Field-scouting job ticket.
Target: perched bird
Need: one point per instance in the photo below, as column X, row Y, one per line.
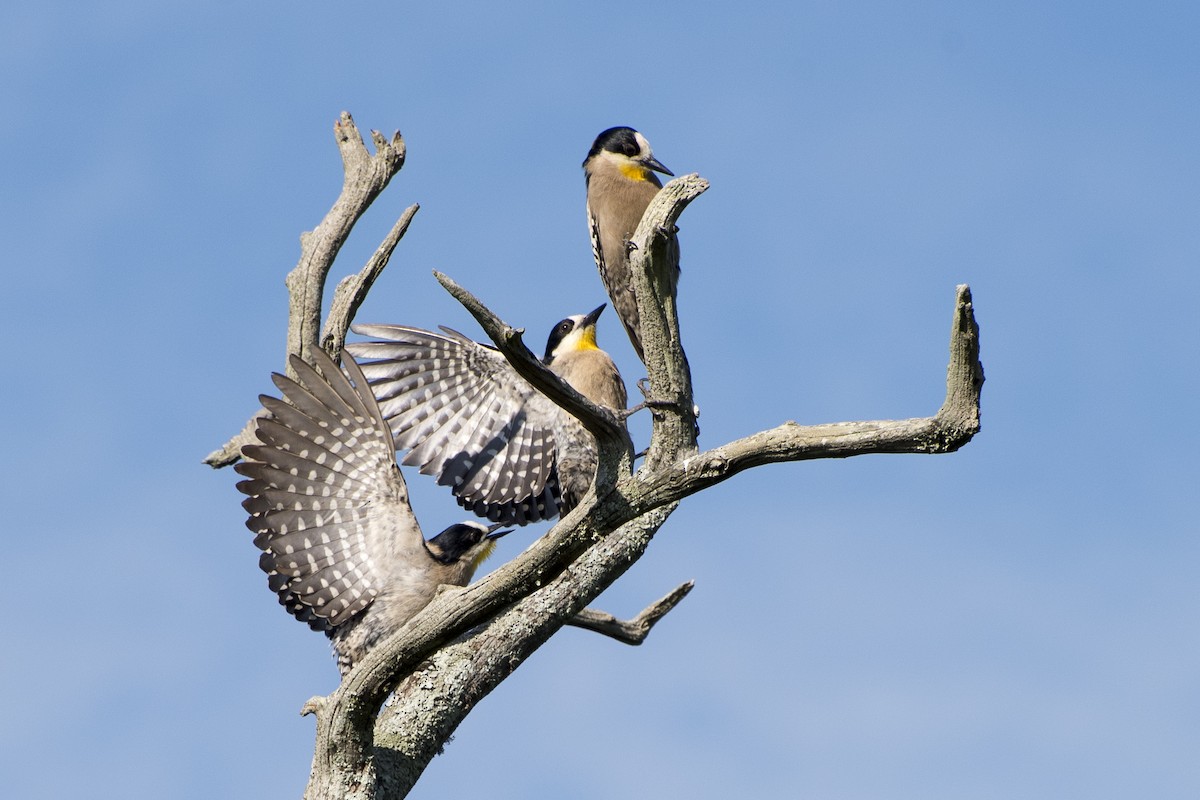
column 619, row 170
column 466, row 416
column 340, row 543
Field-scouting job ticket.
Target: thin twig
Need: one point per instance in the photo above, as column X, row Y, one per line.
column 353, row 289
column 633, row 631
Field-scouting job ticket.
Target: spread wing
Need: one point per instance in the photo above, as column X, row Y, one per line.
column 465, row 416
column 326, row 499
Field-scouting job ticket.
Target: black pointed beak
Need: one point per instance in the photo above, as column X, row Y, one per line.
column 591, row 318
column 656, row 165
column 494, row 533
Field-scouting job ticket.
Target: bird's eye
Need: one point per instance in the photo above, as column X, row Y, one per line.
column 565, row 326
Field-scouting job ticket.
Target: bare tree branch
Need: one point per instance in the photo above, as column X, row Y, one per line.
column 633, row 631
column 543, row 593
column 365, row 177
column 352, row 289
column 600, row 422
column 952, row 427
column 428, row 706
column 673, row 433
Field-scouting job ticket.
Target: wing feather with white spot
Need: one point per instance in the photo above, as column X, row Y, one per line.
column 326, row 500
column 465, row 416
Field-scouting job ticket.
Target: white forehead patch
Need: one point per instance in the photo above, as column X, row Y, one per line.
column 643, row 145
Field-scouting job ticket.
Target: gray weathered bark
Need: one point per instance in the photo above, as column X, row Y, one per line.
column 469, row 639
column 365, row 176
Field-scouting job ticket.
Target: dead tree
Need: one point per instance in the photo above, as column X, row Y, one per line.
column 468, row 640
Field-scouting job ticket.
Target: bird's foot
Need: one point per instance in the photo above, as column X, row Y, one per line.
column 651, row 402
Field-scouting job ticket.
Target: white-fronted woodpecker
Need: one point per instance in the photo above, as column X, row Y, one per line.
column 329, row 507
column 464, row 415
column 619, row 171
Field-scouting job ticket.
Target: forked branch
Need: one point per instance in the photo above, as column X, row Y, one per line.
column 955, row 423
column 366, row 175
column 632, row 631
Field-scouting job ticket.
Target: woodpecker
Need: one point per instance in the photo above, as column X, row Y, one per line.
column 464, row 415
column 619, row 172
column 330, row 510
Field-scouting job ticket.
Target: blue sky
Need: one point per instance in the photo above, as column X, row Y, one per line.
column 1017, row 620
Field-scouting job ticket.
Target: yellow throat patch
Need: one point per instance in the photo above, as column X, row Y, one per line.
column 488, row 548
column 635, row 172
column 587, row 339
